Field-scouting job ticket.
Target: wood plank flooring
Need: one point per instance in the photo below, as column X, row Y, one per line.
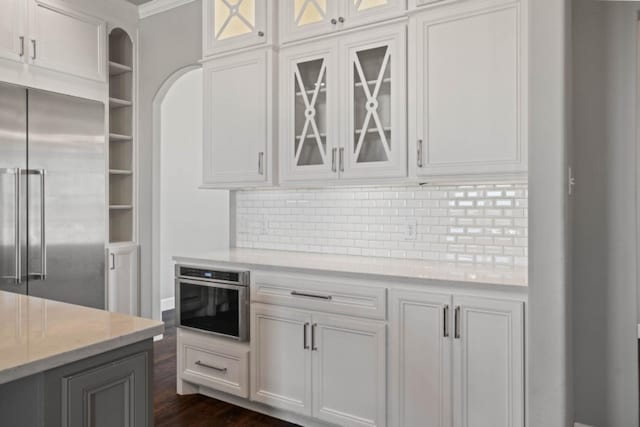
column 171, row 410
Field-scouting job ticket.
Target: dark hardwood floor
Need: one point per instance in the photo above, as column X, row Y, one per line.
column 171, row 410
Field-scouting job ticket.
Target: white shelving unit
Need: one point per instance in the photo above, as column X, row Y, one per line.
column 121, row 140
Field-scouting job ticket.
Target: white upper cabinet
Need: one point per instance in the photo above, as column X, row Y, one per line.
column 309, row 113
column 238, row 128
column 236, row 24
column 469, row 90
column 343, row 108
column 374, row 126
column 300, row 19
column 488, row 360
column 12, row 30
column 65, row 40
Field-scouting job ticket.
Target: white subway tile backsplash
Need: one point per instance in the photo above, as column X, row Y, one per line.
column 484, row 224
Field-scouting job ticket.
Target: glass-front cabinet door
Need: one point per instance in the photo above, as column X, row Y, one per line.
column 308, row 126
column 360, row 12
column 375, row 139
column 300, row 19
column 234, row 24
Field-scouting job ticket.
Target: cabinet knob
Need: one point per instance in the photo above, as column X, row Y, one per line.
column 341, row 20
column 260, row 33
column 334, row 21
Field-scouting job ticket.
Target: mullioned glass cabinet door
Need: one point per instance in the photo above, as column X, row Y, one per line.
column 308, row 114
column 375, row 144
column 235, row 24
column 300, row 19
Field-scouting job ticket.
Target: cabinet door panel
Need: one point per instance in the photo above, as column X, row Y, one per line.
column 234, row 24
column 67, row 41
column 237, row 119
column 420, row 365
column 349, row 371
column 11, row 29
column 281, row 359
column 488, row 363
column 123, row 280
column 470, row 71
column 308, row 114
column 301, row 19
column 375, row 139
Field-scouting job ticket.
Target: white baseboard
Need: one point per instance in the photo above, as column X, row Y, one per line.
column 581, row 425
column 167, row 304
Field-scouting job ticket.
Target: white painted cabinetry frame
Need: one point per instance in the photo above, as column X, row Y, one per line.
column 13, row 37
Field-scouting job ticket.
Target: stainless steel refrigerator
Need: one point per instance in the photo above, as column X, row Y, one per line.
column 52, row 196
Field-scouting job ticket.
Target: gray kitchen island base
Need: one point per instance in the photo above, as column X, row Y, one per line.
column 113, row 389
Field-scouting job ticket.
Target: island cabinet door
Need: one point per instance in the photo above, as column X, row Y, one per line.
column 488, row 381
column 281, row 358
column 349, row 371
column 420, row 338
column 112, row 395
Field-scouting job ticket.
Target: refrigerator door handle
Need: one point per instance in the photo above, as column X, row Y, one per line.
column 17, row 173
column 42, row 173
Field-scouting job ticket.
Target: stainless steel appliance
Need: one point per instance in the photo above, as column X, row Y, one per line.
column 213, row 301
column 52, row 196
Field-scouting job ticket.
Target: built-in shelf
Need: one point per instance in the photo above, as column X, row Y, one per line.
column 312, row 135
column 119, row 103
column 312, row 91
column 120, row 172
column 116, row 137
column 372, row 130
column 373, row 82
column 120, row 207
column 115, row 68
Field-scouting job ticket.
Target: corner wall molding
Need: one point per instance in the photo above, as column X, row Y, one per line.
column 158, row 6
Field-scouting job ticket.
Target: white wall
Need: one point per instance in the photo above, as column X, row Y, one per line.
column 604, row 214
column 192, row 220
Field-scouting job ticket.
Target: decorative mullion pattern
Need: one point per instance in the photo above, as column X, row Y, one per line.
column 304, row 7
column 310, row 112
column 233, row 14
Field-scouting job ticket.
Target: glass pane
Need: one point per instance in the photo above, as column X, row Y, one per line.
column 309, row 11
column 372, row 105
column 234, row 18
column 310, row 86
column 368, row 4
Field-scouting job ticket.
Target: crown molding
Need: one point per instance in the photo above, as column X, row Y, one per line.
column 158, row 6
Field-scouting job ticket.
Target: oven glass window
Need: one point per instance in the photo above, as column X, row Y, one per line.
column 210, row 309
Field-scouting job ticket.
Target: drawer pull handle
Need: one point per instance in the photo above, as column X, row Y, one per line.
column 305, row 295
column 215, row 368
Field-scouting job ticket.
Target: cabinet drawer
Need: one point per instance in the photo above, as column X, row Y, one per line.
column 210, row 363
column 330, row 296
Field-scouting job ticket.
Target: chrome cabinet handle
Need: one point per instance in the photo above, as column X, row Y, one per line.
column 313, row 337
column 341, row 20
column 445, row 315
column 306, row 295
column 420, row 153
column 333, row 160
column 261, row 163
column 112, row 259
column 215, row 368
column 341, row 159
column 21, row 46
column 260, row 33
column 456, row 333
column 305, row 345
column 34, row 49
column 334, row 21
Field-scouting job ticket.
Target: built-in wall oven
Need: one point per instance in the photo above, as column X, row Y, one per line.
column 214, row 301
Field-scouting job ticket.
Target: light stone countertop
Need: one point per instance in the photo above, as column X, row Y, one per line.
column 38, row 334
column 383, row 267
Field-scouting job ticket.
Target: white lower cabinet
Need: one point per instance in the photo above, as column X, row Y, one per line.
column 330, row 367
column 456, row 361
column 123, row 280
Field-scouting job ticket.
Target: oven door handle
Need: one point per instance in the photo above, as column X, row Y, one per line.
column 211, row 284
